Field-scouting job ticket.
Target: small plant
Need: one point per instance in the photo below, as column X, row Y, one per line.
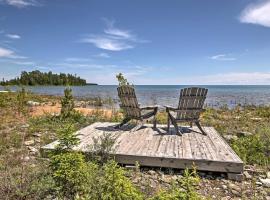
column 67, row 139
column 116, row 185
column 254, row 149
column 70, row 173
column 183, row 189
column 122, row 80
column 67, row 103
column 21, row 101
column 102, row 148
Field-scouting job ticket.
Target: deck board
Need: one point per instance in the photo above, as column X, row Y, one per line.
column 155, row 147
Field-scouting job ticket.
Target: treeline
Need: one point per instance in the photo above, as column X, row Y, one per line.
column 44, row 78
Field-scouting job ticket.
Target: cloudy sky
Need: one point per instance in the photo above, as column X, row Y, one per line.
column 151, row 42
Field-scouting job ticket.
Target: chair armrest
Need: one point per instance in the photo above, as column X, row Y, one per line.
column 170, row 108
column 149, row 108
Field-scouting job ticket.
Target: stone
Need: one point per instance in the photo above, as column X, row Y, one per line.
column 29, row 142
column 236, row 190
column 224, row 187
column 33, row 150
column 259, row 183
column 25, row 126
column 26, row 158
column 247, row 175
column 244, row 134
column 267, row 174
column 37, row 134
column 256, row 118
column 32, row 103
column 265, row 182
column 230, row 137
column 166, row 179
column 151, row 172
column 37, row 140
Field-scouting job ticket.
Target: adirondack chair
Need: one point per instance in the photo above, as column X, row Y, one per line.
column 131, row 108
column 189, row 108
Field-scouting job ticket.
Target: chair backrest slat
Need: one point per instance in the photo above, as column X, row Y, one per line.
column 191, row 103
column 129, row 102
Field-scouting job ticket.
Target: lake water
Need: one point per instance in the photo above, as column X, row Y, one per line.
column 169, row 94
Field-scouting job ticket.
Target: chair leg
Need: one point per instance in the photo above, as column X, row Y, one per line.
column 175, row 126
column 199, row 126
column 155, row 122
column 125, row 120
column 168, row 124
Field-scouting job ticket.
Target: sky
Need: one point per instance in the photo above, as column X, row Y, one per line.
column 153, row 42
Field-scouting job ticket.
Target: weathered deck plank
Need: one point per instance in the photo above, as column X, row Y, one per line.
column 155, row 147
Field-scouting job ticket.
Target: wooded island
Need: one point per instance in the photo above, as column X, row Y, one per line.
column 45, row 78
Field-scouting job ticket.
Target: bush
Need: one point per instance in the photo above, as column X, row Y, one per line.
column 115, row 185
column 67, row 103
column 254, row 149
column 183, row 189
column 70, row 173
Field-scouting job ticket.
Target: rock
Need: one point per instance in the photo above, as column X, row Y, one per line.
column 244, row 134
column 247, row 175
column 267, row 174
column 224, row 187
column 265, row 182
column 37, row 140
column 267, row 198
column 29, row 142
column 256, row 118
column 259, row 183
column 151, row 172
column 37, row 134
column 32, row 103
column 26, row 158
column 33, row 150
column 166, row 179
column 25, row 126
column 236, row 190
column 230, row 137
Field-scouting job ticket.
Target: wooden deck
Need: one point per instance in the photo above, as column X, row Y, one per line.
column 155, row 147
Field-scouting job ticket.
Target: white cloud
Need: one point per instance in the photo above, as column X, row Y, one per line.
column 21, row 3
column 223, row 57
column 257, row 14
column 103, row 55
column 75, row 59
column 13, row 36
column 113, row 39
column 236, row 78
column 5, row 53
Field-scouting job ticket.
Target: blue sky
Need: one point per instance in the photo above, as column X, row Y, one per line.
column 151, row 42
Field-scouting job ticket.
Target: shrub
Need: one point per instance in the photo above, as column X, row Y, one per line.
column 102, row 148
column 67, row 139
column 67, row 103
column 70, row 173
column 115, row 185
column 183, row 189
column 254, row 149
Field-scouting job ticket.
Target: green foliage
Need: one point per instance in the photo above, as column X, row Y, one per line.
column 254, row 149
column 121, row 79
column 67, row 103
column 115, row 185
column 45, row 78
column 102, row 148
column 70, row 173
column 183, row 189
column 21, row 101
column 66, row 138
